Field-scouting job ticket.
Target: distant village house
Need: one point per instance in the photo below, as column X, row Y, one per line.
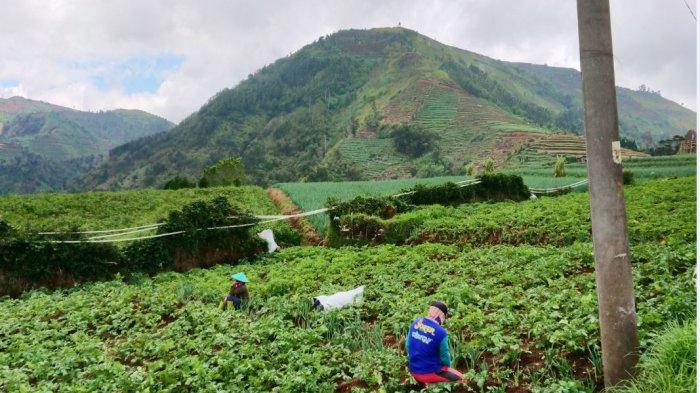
column 688, row 145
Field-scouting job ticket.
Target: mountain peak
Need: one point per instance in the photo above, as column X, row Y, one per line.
column 329, row 111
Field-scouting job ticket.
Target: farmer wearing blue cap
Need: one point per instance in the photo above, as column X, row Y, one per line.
column 238, row 293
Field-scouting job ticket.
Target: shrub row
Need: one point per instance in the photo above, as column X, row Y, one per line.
column 28, row 261
column 365, row 220
column 491, row 187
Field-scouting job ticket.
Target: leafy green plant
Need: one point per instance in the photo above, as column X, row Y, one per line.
column 470, row 169
column 488, row 166
column 560, row 166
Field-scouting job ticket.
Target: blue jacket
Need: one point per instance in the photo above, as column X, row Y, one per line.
column 427, row 347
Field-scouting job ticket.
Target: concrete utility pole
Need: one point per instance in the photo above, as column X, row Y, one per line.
column 613, row 269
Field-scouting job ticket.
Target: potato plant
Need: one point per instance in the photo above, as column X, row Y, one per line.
column 523, row 317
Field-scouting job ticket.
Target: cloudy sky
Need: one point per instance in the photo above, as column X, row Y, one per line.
column 169, row 57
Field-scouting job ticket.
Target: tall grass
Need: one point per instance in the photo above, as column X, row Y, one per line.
column 670, row 364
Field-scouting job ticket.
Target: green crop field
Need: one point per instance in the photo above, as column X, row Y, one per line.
column 657, row 211
column 518, row 277
column 522, row 317
column 106, row 210
column 642, row 167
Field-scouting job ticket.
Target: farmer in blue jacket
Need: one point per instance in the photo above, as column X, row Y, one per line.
column 428, row 353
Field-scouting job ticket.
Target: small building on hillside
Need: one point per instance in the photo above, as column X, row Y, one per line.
column 688, row 145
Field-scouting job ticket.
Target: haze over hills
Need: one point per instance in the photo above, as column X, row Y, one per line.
column 330, row 112
column 43, row 146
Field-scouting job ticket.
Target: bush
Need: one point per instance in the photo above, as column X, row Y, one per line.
column 367, row 220
column 413, row 140
column 192, row 247
column 384, row 207
column 228, row 172
column 627, row 177
column 488, row 166
column 470, row 169
column 177, row 183
column 28, row 261
column 496, row 187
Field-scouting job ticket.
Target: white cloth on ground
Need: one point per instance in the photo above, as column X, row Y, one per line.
column 341, row 299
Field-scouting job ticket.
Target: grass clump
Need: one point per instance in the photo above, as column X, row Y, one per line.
column 670, row 364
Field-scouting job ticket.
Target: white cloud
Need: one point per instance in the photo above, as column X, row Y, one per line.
column 224, row 41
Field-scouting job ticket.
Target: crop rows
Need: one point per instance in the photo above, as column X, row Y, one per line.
column 658, row 211
column 523, row 316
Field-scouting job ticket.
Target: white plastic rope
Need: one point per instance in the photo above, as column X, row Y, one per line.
column 463, row 183
column 122, row 233
column 115, row 240
column 556, row 189
column 113, row 233
column 103, row 231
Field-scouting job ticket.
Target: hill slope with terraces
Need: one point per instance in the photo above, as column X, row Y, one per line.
column 327, row 112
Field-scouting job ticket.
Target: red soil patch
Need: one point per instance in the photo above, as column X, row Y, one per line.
column 285, row 205
column 510, row 143
column 346, row 386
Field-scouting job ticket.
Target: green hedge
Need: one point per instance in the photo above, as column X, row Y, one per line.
column 493, row 187
column 370, row 220
column 28, row 261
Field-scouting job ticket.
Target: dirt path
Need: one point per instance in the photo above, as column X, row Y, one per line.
column 285, row 205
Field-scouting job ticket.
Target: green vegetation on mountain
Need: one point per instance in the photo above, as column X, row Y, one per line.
column 337, row 101
column 43, row 147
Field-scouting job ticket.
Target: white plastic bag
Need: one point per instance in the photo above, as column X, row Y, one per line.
column 340, row 299
column 269, row 237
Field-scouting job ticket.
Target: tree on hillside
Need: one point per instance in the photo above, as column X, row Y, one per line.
column 227, row 172
column 667, row 147
column 629, row 143
column 413, row 140
column 372, row 120
column 335, row 168
column 177, row 183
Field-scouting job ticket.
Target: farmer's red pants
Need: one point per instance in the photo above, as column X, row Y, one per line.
column 446, row 374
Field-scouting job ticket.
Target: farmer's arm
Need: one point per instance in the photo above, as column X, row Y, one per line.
column 445, row 357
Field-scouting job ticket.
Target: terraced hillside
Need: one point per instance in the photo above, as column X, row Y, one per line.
column 470, row 130
column 544, row 149
column 326, row 112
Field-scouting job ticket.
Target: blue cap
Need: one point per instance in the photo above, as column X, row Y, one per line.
column 239, row 277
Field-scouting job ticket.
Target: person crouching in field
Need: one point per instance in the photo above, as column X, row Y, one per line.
column 429, row 358
column 238, row 294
